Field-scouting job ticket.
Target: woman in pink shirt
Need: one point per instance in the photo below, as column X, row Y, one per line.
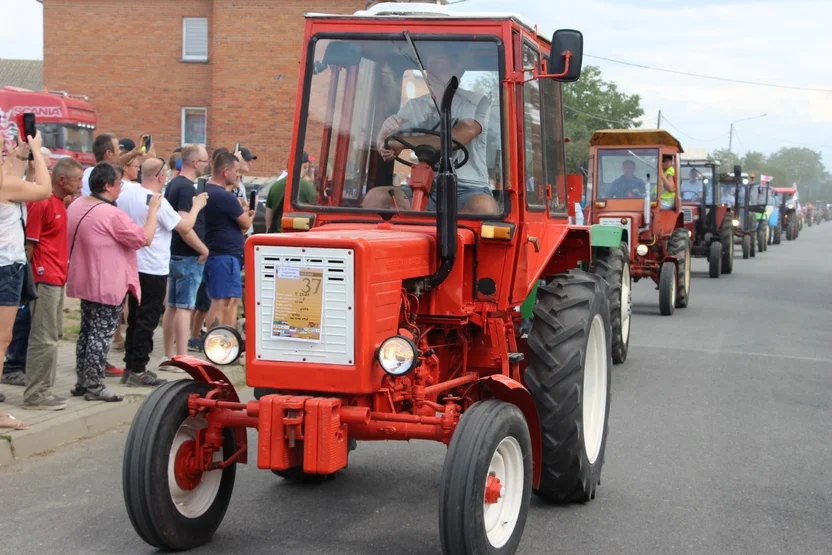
column 102, row 269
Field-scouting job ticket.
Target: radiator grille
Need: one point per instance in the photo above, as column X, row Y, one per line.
column 687, row 214
column 337, row 343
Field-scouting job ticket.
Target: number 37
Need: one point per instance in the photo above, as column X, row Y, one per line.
column 309, row 283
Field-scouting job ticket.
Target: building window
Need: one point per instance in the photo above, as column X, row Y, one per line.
column 195, row 39
column 194, row 126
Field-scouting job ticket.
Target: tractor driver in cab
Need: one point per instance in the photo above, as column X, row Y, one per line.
column 691, row 187
column 668, row 196
column 469, row 111
column 627, row 185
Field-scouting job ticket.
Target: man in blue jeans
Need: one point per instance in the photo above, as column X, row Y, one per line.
column 226, row 220
column 188, row 253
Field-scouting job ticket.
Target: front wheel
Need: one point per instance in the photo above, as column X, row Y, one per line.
column 753, row 239
column 746, row 246
column 170, row 506
column 486, row 481
column 679, row 248
column 715, row 260
column 667, row 289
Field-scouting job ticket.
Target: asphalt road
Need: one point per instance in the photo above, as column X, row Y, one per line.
column 719, row 442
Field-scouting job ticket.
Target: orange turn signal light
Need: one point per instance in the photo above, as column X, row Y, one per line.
column 299, row 223
column 501, row 231
column 600, row 203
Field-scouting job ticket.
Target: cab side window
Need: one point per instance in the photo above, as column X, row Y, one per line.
column 554, row 147
column 532, row 133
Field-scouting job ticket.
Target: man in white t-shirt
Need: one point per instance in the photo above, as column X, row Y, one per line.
column 154, row 267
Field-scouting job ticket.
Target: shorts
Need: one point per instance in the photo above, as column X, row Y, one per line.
column 463, row 195
column 225, row 281
column 203, row 301
column 11, row 284
column 183, row 281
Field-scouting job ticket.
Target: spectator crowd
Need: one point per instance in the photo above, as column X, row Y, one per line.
column 138, row 239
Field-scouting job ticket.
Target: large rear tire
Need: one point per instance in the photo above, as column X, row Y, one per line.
column 667, row 289
column 753, row 240
column 715, row 260
column 486, row 481
column 169, row 509
column 726, row 237
column 614, row 266
column 777, row 235
column 679, row 247
column 568, row 375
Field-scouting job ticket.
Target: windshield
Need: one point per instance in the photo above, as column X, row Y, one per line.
column 727, row 193
column 363, row 91
column 61, row 136
column 694, row 178
column 757, row 196
column 623, row 173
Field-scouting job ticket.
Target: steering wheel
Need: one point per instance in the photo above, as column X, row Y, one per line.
column 690, row 196
column 425, row 153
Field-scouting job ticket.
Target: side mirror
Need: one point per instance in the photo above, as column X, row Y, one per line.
column 343, row 54
column 567, row 55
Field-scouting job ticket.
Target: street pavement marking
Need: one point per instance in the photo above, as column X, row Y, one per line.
column 729, row 352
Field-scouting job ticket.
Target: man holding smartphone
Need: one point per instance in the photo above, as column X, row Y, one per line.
column 187, row 252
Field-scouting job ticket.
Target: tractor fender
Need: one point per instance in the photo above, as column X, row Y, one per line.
column 671, row 259
column 610, row 236
column 511, row 391
column 203, row 371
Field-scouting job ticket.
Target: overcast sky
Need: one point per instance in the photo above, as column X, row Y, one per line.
column 777, row 41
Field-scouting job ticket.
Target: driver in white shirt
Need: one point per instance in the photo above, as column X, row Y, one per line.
column 691, row 186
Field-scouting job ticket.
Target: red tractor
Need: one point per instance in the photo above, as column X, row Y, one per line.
column 391, row 312
column 707, row 218
column 633, row 216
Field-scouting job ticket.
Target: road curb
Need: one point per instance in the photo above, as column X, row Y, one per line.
column 92, row 420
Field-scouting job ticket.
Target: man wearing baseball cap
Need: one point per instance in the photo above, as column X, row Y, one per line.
column 274, row 200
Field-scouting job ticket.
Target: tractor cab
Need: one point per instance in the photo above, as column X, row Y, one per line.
column 633, row 205
column 787, row 211
column 705, row 215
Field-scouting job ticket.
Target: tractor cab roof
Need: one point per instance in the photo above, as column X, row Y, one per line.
column 416, row 10
column 785, row 190
column 634, row 137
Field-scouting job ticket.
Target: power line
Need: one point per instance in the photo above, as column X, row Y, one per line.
column 712, row 77
column 664, row 118
column 601, row 118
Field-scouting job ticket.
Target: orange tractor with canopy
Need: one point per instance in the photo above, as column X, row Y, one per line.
column 633, row 218
column 389, row 307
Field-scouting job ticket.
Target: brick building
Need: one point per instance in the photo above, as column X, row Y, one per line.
column 209, row 71
column 216, row 72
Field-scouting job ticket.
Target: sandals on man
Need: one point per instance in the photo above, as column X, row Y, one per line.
column 9, row 422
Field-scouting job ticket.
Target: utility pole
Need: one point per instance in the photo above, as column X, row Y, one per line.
column 730, row 138
column 659, row 121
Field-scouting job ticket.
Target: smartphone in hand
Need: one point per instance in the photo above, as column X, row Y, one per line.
column 146, row 145
column 252, row 200
column 147, row 202
column 29, row 129
column 236, row 148
column 200, row 185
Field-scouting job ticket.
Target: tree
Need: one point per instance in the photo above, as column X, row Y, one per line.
column 754, row 162
column 590, row 104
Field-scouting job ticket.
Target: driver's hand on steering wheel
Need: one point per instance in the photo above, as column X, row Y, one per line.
column 390, row 125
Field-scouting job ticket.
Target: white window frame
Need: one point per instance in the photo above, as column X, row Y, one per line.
column 182, row 123
column 185, row 56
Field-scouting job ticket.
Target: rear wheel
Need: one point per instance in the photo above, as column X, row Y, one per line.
column 667, row 289
column 568, row 375
column 746, row 246
column 715, row 260
column 679, row 248
column 790, row 231
column 614, row 266
column 777, row 234
column 486, row 481
column 726, row 237
column 753, row 240
column 171, row 507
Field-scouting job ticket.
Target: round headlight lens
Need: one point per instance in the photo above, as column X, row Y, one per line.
column 222, row 345
column 790, row 207
column 736, row 223
column 641, row 250
column 397, row 355
column 745, row 181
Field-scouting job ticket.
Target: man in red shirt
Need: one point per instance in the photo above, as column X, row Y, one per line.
column 48, row 249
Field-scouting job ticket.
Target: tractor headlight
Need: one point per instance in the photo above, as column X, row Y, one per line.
column 223, row 345
column 397, row 355
column 790, row 206
column 641, row 250
column 735, row 223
